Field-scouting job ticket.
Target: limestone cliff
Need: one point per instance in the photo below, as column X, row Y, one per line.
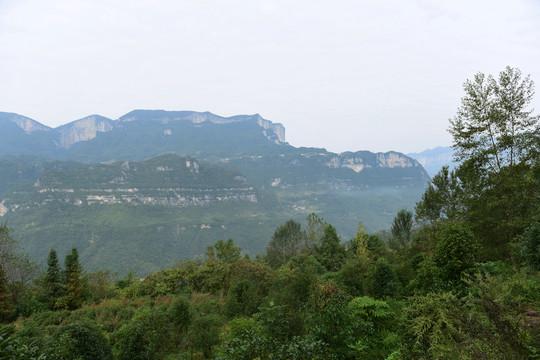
column 26, row 124
column 361, row 160
column 273, row 131
column 83, row 129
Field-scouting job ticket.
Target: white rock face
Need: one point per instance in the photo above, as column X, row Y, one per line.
column 278, row 129
column 276, row 182
column 393, row 160
column 192, row 165
column 3, row 209
column 29, row 125
column 357, row 163
column 81, row 130
column 273, row 131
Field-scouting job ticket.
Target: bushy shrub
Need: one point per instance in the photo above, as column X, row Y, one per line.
column 12, row 349
column 82, row 341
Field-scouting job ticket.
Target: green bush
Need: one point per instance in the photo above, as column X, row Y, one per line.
column 134, row 343
column 81, row 341
column 12, row 349
column 241, row 300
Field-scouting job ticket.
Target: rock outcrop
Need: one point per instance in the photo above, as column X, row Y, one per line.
column 83, row 129
column 26, row 124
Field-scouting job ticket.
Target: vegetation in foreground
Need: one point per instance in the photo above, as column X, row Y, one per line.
column 456, row 279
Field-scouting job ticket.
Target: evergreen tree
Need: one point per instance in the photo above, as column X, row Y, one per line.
column 73, row 283
column 331, row 253
column 53, row 279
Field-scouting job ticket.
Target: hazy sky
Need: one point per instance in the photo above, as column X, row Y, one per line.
column 344, row 75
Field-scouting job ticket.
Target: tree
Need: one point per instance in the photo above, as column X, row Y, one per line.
column 53, row 279
column 315, row 231
column 384, row 281
column 241, row 300
column 494, row 127
column 286, row 242
column 73, row 283
column 455, row 253
column 205, row 333
column 331, row 253
column 441, row 200
column 496, row 138
column 224, row 251
column 401, row 229
column 329, row 318
column 359, row 245
column 376, row 326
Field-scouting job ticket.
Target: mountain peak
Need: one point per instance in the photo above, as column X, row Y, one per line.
column 273, row 131
column 83, row 129
column 26, row 124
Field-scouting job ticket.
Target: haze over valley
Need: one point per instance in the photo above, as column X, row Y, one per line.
column 179, row 181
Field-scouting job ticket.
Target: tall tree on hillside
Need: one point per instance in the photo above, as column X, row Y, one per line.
column 441, row 200
column 496, row 138
column 53, row 279
column 494, row 127
column 331, row 253
column 287, row 241
column 73, row 283
column 224, row 251
column 314, row 231
column 401, row 229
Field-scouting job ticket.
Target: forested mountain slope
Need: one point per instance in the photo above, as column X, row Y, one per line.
column 117, row 189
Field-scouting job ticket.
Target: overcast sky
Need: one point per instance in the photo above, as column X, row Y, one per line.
column 344, row 75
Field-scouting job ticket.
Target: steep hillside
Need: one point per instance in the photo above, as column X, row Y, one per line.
column 18, row 170
column 143, row 134
column 317, row 167
column 151, row 214
column 20, row 135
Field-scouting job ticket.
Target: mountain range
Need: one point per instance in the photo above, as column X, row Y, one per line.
column 154, row 187
column 434, row 159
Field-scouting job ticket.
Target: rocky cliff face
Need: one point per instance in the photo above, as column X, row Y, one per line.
column 273, row 131
column 168, row 180
column 363, row 160
column 26, row 124
column 83, row 129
